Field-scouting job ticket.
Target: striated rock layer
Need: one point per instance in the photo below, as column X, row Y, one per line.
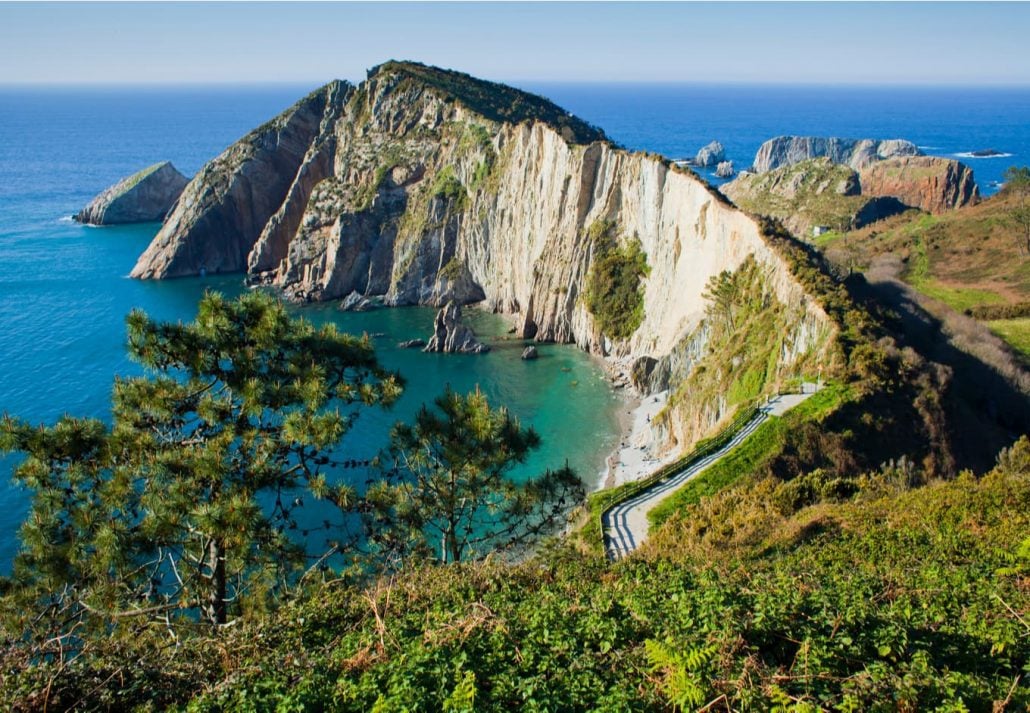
column 935, row 185
column 451, row 335
column 143, row 197
column 423, row 186
column 856, row 153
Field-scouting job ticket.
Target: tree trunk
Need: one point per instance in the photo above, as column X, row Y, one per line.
column 216, row 594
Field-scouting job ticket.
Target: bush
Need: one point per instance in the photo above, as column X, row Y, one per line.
column 613, row 292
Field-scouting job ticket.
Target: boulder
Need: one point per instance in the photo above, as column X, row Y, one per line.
column 143, row 197
column 855, row 153
column 357, row 302
column 529, row 353
column 451, row 335
column 724, row 169
column 935, row 185
column 710, row 155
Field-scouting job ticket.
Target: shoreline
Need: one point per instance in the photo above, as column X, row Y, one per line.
column 635, row 455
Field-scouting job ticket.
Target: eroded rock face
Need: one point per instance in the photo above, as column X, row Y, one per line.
column 422, row 186
column 144, row 197
column 451, row 335
column 710, row 155
column 256, row 188
column 855, row 153
column 935, row 185
column 724, row 169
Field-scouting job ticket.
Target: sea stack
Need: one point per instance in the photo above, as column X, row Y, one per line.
column 143, row 197
column 451, row 335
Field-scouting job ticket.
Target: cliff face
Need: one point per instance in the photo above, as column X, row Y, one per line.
column 932, row 184
column 856, row 153
column 423, row 186
column 144, row 197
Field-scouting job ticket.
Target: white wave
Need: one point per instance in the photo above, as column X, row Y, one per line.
column 66, row 219
column 969, row 154
column 929, row 148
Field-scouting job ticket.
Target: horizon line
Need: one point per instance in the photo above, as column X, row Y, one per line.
column 216, row 84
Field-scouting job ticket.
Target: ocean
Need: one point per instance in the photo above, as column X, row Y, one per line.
column 64, row 293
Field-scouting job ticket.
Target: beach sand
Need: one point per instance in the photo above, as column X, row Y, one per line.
column 636, row 457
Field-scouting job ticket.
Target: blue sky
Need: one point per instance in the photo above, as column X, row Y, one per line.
column 884, row 43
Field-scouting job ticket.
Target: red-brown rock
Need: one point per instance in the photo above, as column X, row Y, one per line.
column 932, row 184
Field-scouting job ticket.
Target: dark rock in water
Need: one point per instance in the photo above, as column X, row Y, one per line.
column 711, row 155
column 357, row 302
column 529, row 353
column 451, row 335
column 986, row 153
column 412, row 344
column 724, row 169
column 143, row 197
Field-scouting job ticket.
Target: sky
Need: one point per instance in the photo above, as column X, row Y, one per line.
column 311, row 43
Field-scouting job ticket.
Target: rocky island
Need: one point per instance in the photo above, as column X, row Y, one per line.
column 143, row 197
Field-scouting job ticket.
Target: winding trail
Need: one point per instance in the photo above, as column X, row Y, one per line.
column 626, row 524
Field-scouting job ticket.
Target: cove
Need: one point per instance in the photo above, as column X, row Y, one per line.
column 63, row 301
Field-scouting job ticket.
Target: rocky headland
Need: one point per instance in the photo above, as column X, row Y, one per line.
column 144, row 197
column 426, row 186
column 819, row 193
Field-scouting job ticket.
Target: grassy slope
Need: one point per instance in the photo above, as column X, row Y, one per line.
column 967, row 257
column 759, row 447
column 895, row 600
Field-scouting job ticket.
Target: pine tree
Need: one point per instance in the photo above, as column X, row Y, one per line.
column 186, row 502
column 446, row 492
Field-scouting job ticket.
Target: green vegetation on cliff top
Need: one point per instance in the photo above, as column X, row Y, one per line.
column 494, row 101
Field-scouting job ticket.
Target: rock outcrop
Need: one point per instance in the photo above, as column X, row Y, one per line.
column 143, row 197
column 855, row 153
column 451, row 335
column 711, row 155
column 812, row 193
column 935, row 185
column 530, row 353
column 424, row 186
column 724, row 169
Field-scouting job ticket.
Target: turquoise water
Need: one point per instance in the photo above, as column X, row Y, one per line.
column 64, row 293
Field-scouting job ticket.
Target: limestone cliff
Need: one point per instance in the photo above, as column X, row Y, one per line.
column 935, row 185
column 856, row 153
column 143, row 197
column 423, row 186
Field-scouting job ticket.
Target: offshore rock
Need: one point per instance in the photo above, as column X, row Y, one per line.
column 451, row 335
column 935, row 185
column 710, row 155
column 530, row 353
column 855, row 153
column 724, row 169
column 143, row 197
column 412, row 344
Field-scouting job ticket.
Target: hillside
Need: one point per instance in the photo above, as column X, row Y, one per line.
column 972, row 259
column 884, row 599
